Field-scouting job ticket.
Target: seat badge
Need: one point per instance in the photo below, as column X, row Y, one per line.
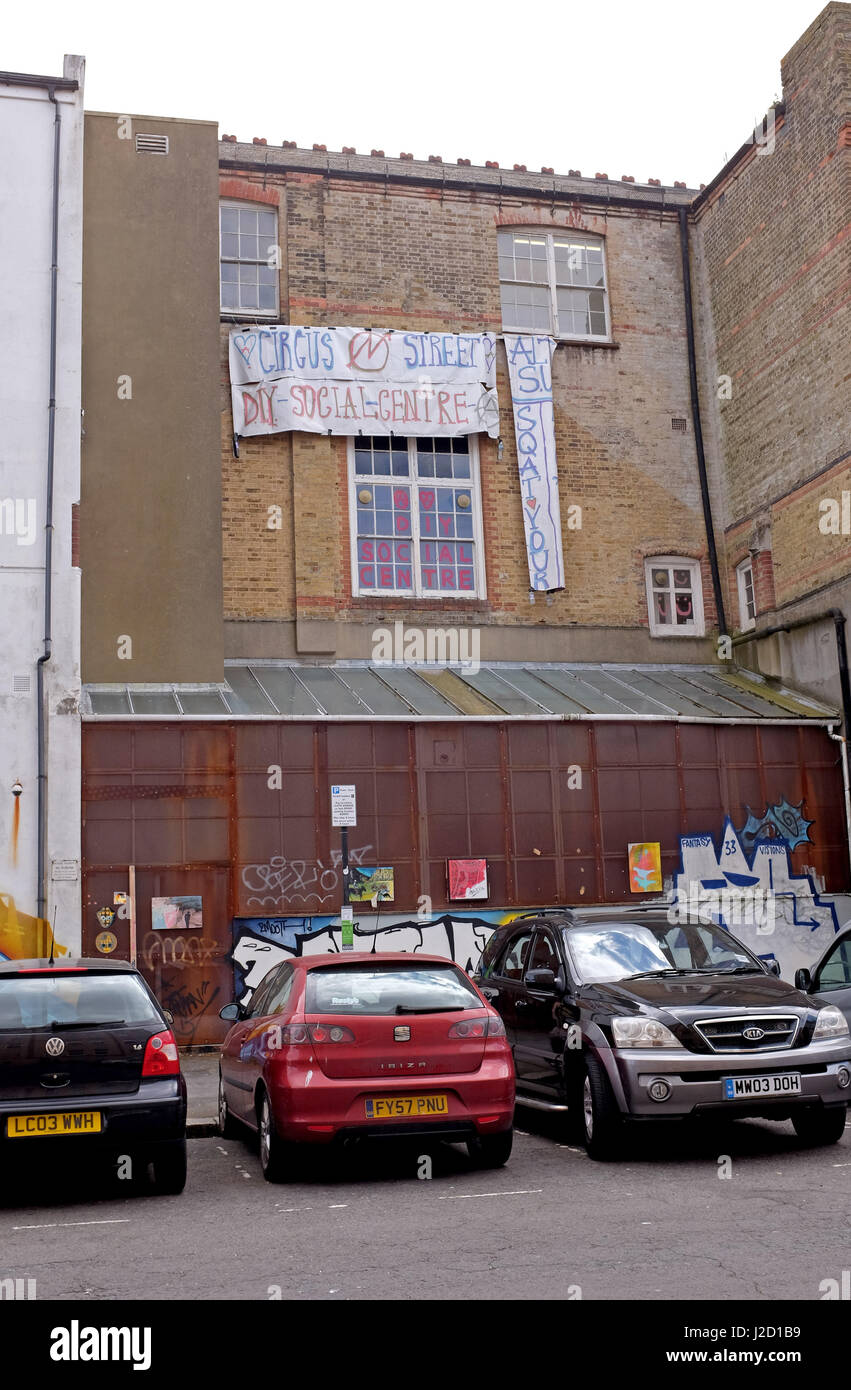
column 402, row 1033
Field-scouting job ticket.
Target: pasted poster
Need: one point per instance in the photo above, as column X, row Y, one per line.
column 176, row 914
column 645, row 867
column 354, row 381
column 530, row 372
column 366, row 884
column 468, row 878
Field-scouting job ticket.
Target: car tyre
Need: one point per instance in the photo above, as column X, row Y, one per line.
column 227, row 1125
column 815, row 1127
column 602, row 1125
column 169, row 1164
column 491, row 1150
column 276, row 1155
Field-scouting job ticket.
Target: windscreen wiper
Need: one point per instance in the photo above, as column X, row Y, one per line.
column 96, row 1023
column 670, row 970
column 443, row 1009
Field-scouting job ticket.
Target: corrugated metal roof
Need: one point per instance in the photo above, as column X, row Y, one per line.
column 507, row 690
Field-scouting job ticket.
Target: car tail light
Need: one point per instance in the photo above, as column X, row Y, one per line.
column 290, row 1033
column 330, row 1033
column 161, row 1057
column 491, row 1026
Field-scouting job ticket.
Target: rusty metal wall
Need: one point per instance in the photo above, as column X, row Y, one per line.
column 551, row 806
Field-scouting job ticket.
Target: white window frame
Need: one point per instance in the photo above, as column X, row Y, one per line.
column 549, row 237
column 746, row 622
column 418, row 593
column 697, row 627
column 234, row 205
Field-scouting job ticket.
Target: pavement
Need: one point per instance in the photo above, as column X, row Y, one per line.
column 383, row 1224
column 201, row 1070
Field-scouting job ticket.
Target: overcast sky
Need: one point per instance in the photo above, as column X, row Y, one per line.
column 666, row 89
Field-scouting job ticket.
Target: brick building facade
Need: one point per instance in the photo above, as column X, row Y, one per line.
column 773, row 233
column 601, row 713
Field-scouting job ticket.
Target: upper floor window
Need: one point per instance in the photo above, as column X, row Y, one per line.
column 249, row 258
column 674, row 596
column 416, row 517
column 553, row 282
column 747, row 597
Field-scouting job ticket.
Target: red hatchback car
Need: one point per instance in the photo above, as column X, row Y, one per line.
column 338, row 1047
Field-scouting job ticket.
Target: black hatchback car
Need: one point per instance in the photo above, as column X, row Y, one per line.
column 88, row 1062
column 620, row 1014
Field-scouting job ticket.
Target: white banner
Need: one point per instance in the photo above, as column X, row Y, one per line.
column 530, row 372
column 362, row 381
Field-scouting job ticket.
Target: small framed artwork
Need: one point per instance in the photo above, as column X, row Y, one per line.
column 366, row 884
column 645, row 867
column 176, row 914
column 468, row 878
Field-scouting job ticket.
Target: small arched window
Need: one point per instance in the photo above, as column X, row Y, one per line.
column 554, row 282
column 674, row 596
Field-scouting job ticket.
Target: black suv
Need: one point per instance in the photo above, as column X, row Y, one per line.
column 619, row 1014
column 88, row 1062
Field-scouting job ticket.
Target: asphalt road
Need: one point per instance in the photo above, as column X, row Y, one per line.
column 660, row 1224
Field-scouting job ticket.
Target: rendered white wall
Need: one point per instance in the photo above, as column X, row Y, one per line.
column 26, row 190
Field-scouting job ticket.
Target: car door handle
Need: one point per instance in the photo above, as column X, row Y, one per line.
column 522, row 1004
column 491, row 993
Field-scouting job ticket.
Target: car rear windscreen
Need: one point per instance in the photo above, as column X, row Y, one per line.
column 389, row 989
column 48, row 1001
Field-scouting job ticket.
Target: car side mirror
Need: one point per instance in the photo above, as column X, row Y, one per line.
column 803, row 980
column 774, row 967
column 231, row 1012
column 540, row 979
column 168, row 1015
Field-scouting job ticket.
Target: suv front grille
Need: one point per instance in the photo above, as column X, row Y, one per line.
column 728, row 1034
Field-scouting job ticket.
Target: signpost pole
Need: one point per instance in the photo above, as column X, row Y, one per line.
column 131, row 874
column 344, row 835
column 344, row 814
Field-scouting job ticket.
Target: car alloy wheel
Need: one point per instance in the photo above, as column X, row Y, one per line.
column 588, row 1108
column 276, row 1155
column 226, row 1125
column 265, row 1133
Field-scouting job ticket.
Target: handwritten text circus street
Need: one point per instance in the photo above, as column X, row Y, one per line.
column 374, row 382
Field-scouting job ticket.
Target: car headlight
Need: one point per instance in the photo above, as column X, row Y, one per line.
column 642, row 1032
column 831, row 1023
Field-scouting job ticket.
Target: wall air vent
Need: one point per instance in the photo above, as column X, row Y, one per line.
column 152, row 144
column 678, row 424
column 21, row 683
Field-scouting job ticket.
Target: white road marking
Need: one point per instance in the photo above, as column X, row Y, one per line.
column 221, row 1150
column 50, row 1225
column 336, row 1206
column 517, row 1192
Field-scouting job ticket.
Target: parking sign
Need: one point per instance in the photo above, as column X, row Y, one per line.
column 343, row 809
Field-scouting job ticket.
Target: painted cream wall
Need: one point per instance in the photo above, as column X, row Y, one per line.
column 26, row 189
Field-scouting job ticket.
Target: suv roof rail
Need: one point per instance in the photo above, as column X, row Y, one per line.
column 545, row 912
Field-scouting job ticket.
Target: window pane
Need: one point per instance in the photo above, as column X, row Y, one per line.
column 248, row 248
column 230, row 219
column 248, row 220
column 229, row 270
column 268, row 297
column 266, row 223
column 230, row 296
column 230, row 244
column 248, row 297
